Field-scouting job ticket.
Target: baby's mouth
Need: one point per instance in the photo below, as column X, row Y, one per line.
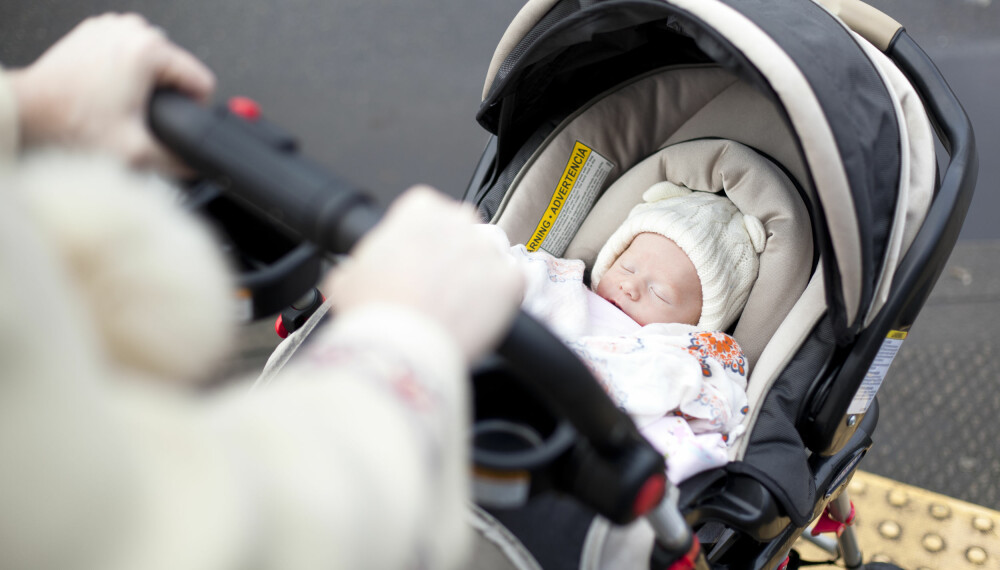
column 615, row 303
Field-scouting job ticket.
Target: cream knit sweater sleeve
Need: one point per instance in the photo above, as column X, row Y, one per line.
column 354, row 457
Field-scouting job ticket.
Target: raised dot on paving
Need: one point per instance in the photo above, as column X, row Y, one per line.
column 982, row 524
column 889, row 529
column 939, row 511
column 932, row 543
column 976, row 555
column 898, row 498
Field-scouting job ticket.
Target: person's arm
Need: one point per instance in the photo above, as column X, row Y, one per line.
column 418, row 302
column 364, row 437
column 355, row 456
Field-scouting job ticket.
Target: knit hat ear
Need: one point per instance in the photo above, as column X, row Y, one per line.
column 722, row 243
column 664, row 190
column 756, row 232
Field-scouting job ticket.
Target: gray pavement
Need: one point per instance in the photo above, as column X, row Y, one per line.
column 942, row 393
column 386, row 93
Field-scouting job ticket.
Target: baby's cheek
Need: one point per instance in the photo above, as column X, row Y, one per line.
column 693, row 315
column 602, row 290
column 639, row 315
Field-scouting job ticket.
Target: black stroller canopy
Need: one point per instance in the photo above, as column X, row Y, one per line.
column 558, row 54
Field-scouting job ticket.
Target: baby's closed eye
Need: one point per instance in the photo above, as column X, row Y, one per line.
column 660, row 295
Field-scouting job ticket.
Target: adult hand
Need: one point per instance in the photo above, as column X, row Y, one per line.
column 428, row 255
column 92, row 87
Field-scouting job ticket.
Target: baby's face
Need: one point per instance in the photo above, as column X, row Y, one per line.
column 653, row 281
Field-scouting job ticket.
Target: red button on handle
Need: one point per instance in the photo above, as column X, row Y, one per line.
column 650, row 494
column 244, row 107
column 279, row 327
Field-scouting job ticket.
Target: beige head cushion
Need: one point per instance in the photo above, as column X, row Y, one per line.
column 757, row 187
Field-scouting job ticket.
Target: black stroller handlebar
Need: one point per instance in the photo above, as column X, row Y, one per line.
column 260, row 167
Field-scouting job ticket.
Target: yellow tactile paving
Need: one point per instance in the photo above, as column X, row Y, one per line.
column 917, row 529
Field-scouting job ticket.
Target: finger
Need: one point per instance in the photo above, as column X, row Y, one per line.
column 415, row 197
column 133, row 19
column 172, row 65
column 179, row 69
column 435, row 207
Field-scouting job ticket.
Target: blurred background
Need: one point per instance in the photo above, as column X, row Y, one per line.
column 385, row 93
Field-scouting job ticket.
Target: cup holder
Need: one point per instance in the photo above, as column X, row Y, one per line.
column 505, row 436
column 515, row 440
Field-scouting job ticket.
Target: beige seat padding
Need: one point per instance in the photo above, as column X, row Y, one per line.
column 625, row 127
column 757, row 187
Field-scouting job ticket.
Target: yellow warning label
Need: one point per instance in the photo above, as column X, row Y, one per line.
column 896, row 335
column 577, row 159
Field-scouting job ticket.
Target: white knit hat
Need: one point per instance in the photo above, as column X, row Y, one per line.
column 722, row 243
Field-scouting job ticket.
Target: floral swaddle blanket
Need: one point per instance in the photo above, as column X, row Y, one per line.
column 685, row 388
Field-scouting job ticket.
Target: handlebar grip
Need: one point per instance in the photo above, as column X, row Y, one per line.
column 263, row 172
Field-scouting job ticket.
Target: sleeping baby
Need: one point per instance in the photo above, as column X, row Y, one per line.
column 664, row 288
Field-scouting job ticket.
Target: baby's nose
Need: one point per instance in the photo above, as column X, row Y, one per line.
column 630, row 289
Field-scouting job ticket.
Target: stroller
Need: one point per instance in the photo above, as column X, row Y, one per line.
column 817, row 119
